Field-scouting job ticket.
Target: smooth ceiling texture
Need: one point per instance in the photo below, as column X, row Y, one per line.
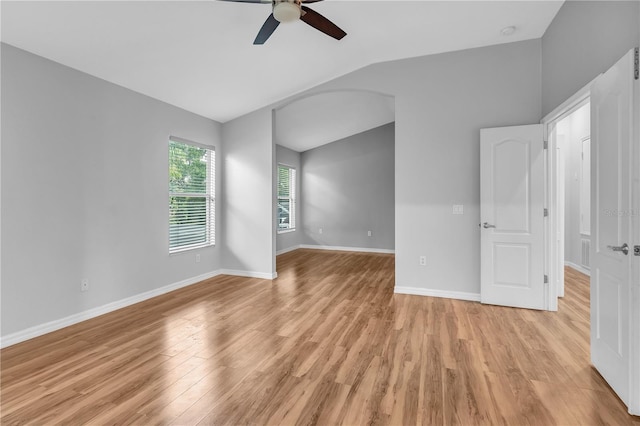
column 327, row 117
column 199, row 55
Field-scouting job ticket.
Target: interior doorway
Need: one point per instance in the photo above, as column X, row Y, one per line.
column 568, row 173
column 573, row 191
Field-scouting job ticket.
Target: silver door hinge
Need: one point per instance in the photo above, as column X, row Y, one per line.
column 636, row 65
column 545, row 145
column 546, row 212
column 546, row 279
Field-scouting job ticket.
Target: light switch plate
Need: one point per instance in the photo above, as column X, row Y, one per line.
column 458, row 209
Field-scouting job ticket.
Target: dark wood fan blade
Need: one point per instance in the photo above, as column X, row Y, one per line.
column 321, row 23
column 310, row 1
column 267, row 29
column 250, row 1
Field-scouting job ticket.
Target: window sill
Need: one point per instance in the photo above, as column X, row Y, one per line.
column 286, row 231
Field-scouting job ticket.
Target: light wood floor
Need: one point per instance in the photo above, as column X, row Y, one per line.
column 326, row 343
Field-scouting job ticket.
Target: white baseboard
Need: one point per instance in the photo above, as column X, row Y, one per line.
column 287, row 250
column 39, row 330
column 250, row 274
column 339, row 248
column 578, row 268
column 418, row 291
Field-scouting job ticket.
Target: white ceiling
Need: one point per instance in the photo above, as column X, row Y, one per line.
column 199, row 55
column 327, row 117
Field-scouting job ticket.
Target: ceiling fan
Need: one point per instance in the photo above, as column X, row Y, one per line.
column 290, row 10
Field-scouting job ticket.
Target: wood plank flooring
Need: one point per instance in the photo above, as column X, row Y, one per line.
column 326, row 343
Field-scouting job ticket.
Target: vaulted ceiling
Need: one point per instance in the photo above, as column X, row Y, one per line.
column 322, row 118
column 198, row 55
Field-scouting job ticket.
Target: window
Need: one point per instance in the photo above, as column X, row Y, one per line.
column 286, row 198
column 191, row 195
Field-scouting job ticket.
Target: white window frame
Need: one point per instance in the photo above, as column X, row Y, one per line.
column 210, row 234
column 291, row 198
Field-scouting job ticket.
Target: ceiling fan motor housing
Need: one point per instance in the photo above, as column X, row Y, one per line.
column 286, row 10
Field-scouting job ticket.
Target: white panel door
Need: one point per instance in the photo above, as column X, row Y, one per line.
column 611, row 133
column 512, row 219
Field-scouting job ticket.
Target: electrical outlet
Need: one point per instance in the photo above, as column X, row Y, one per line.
column 369, row 233
column 198, row 258
column 458, row 209
column 319, row 230
column 84, row 285
column 423, row 260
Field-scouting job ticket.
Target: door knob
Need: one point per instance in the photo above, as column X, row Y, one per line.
column 623, row 248
column 487, row 225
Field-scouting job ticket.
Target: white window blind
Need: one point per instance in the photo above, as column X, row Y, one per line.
column 192, row 188
column 286, row 198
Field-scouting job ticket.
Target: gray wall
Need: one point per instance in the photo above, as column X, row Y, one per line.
column 348, row 189
column 289, row 239
column 442, row 101
column 585, row 39
column 248, row 193
column 85, row 191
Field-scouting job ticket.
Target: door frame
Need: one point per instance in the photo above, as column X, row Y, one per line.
column 552, row 257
